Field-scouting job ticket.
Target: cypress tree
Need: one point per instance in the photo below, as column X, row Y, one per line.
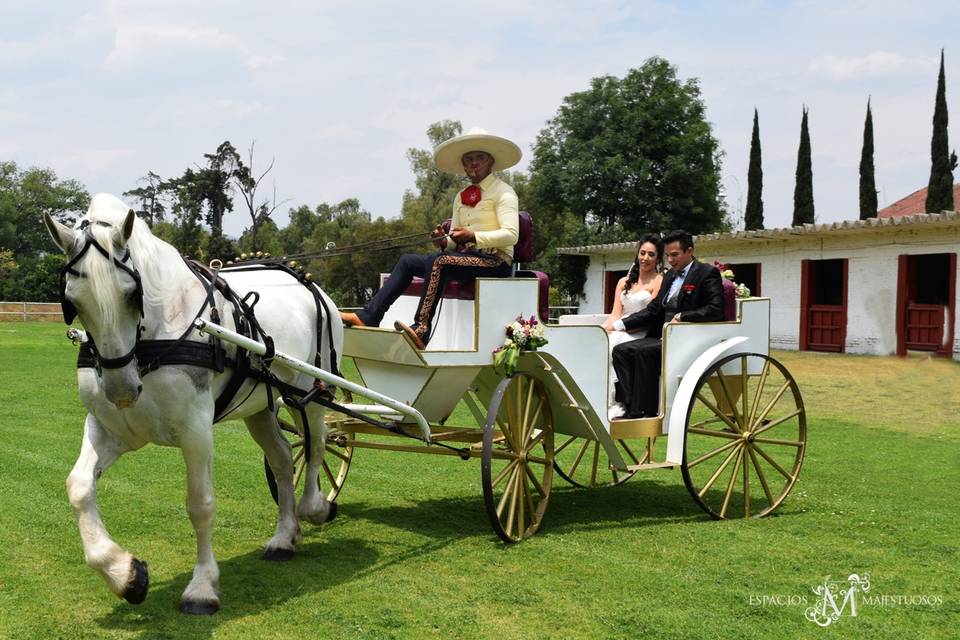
column 753, row 216
column 942, row 162
column 803, row 191
column 868, row 183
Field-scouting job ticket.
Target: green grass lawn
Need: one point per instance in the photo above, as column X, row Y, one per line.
column 412, row 553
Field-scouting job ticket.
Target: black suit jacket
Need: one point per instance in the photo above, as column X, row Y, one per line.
column 700, row 300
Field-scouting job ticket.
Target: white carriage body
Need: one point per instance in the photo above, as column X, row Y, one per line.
column 574, row 365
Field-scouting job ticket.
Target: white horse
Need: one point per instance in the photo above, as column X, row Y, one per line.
column 174, row 405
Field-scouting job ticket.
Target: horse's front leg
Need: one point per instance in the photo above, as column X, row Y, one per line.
column 126, row 576
column 202, row 594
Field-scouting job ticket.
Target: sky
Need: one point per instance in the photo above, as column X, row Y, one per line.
column 335, row 92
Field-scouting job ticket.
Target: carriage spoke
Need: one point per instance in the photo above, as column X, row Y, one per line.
column 761, row 476
column 731, row 483
column 770, row 405
column 787, row 443
column 505, row 430
column 576, row 462
column 337, row 454
column 743, row 391
column 503, row 472
column 567, row 443
column 746, row 486
column 715, row 434
column 514, row 495
column 773, row 463
column 759, row 392
column 297, row 456
column 730, row 401
column 778, row 421
column 526, row 423
column 708, row 421
column 733, row 426
column 536, row 417
column 506, row 493
column 329, row 474
column 533, row 442
column 521, row 502
column 531, row 508
column 710, row 454
column 536, row 483
column 720, row 470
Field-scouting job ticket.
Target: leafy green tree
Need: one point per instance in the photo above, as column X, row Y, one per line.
column 753, row 215
column 151, row 197
column 25, row 195
column 637, row 151
column 803, row 190
column 868, row 184
column 942, row 161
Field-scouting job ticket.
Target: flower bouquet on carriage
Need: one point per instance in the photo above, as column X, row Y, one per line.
column 522, row 335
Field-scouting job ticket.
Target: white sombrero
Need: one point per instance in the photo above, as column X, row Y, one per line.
column 447, row 154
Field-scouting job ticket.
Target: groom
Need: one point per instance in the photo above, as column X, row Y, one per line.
column 691, row 292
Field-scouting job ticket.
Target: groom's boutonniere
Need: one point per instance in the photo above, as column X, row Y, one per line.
column 689, row 288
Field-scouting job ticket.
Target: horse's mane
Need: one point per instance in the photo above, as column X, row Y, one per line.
column 151, row 256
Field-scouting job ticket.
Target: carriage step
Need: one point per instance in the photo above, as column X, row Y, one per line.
column 651, row 465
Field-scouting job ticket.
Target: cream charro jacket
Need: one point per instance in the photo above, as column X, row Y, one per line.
column 494, row 221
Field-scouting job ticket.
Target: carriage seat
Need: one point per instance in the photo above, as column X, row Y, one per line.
column 522, row 252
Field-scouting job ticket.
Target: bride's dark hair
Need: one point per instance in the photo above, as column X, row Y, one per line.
column 634, row 274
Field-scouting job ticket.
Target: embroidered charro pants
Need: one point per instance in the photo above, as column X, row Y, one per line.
column 436, row 269
column 453, row 266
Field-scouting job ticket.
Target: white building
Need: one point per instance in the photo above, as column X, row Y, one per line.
column 879, row 286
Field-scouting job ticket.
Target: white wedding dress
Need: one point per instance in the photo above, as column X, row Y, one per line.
column 632, row 302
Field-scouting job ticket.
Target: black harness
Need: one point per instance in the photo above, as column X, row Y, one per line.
column 152, row 354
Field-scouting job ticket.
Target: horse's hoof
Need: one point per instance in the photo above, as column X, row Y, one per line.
column 277, row 554
column 199, row 607
column 331, row 512
column 136, row 590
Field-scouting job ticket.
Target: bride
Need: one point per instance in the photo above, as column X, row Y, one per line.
column 633, row 293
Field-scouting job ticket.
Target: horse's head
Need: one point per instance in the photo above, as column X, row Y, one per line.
column 100, row 285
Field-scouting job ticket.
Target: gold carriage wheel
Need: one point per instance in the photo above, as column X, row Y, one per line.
column 746, row 435
column 334, row 468
column 584, row 463
column 517, row 457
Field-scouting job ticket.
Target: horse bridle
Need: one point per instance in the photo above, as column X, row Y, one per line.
column 70, row 311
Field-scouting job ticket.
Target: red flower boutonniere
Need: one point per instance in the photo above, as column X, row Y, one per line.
column 470, row 196
column 689, row 288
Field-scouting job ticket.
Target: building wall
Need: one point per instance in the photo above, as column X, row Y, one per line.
column 872, row 256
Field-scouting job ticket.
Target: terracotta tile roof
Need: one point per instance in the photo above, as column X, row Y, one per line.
column 932, row 220
column 914, row 203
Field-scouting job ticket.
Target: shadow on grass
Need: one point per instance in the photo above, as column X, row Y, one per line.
column 635, row 503
column 248, row 587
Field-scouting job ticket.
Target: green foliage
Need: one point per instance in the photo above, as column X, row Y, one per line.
column 25, row 195
column 637, row 151
column 803, row 190
column 753, row 214
column 868, row 185
column 151, row 197
column 942, row 161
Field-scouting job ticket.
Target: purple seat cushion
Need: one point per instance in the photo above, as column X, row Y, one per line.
column 729, row 300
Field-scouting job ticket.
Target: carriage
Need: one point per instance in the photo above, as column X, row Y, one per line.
column 732, row 417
